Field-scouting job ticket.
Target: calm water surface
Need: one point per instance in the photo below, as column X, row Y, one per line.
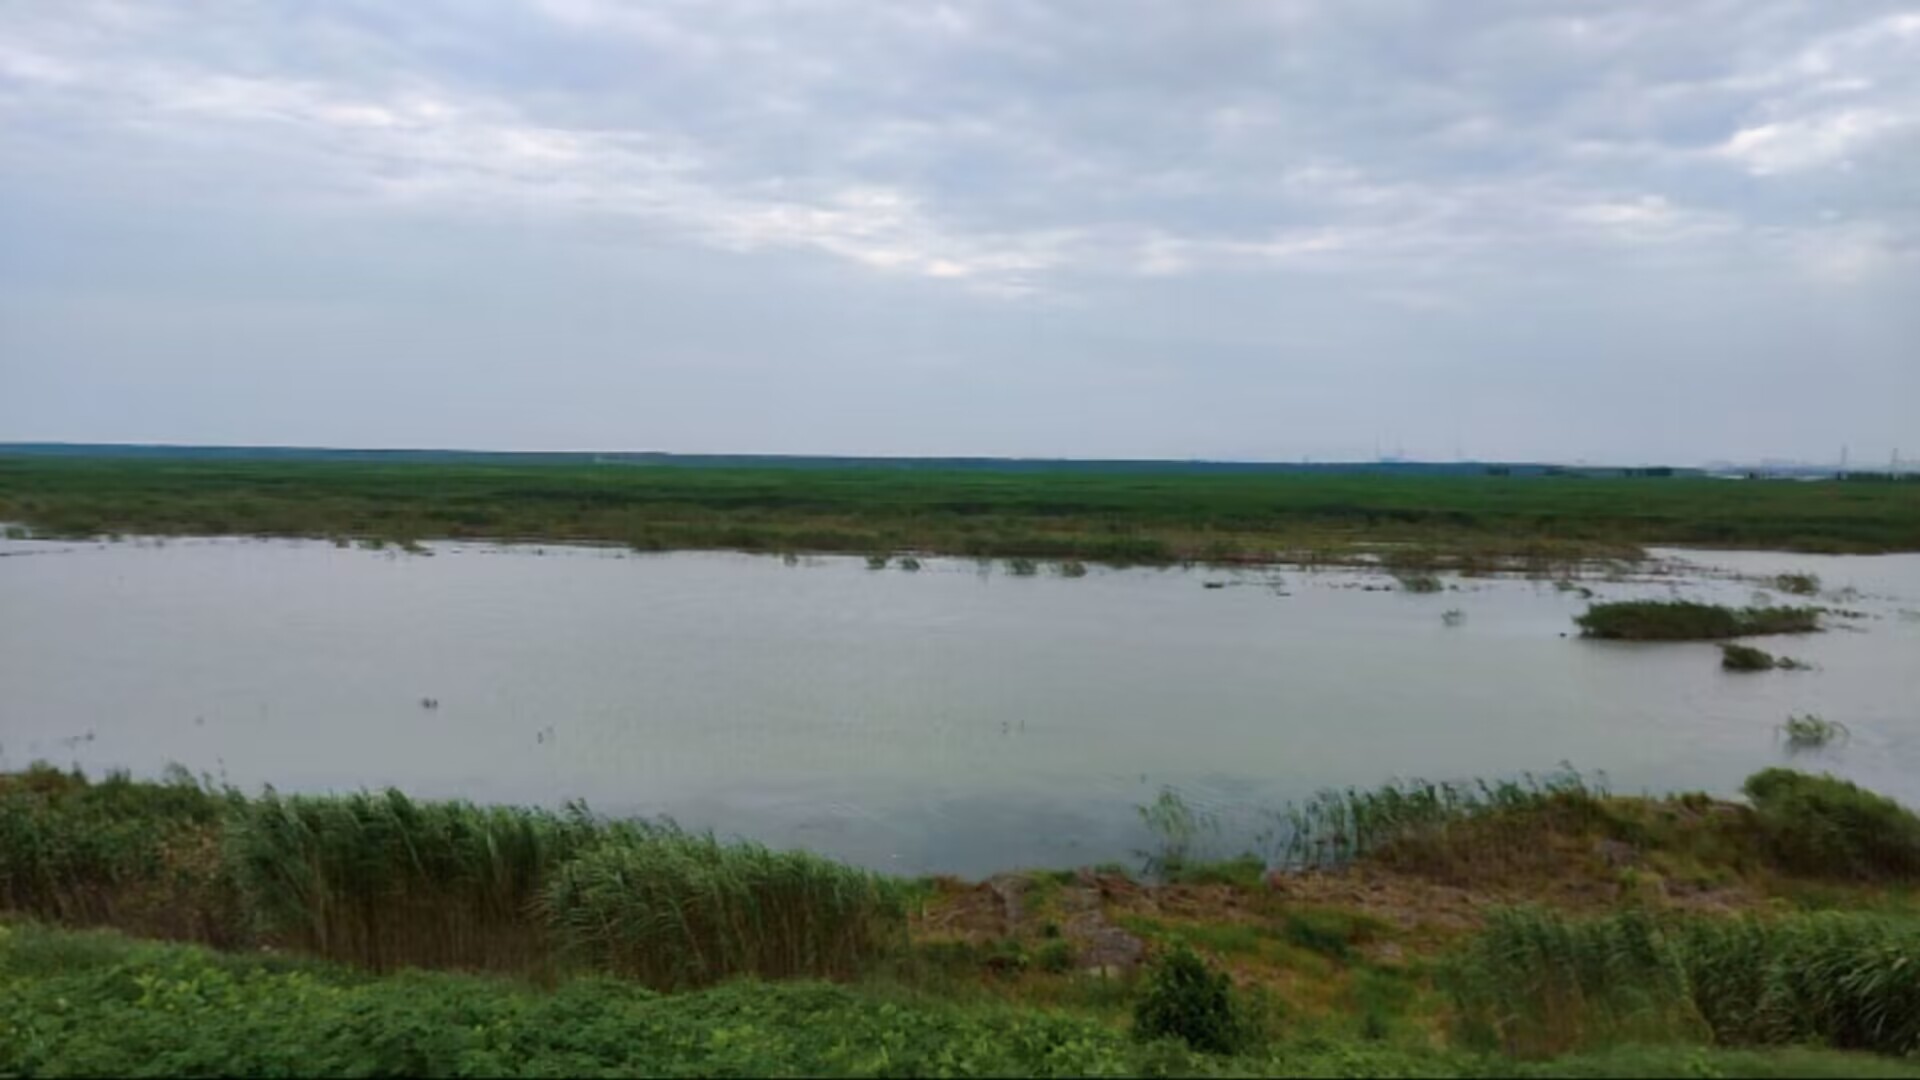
column 952, row 719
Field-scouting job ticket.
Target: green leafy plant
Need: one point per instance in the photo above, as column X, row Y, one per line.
column 1187, row 1000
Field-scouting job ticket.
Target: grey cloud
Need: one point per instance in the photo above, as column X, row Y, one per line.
column 1048, row 182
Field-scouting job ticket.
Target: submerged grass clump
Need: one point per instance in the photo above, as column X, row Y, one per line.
column 1073, row 568
column 1810, row 732
column 1419, row 583
column 1686, row 620
column 1797, row 584
column 909, row 563
column 1020, row 566
column 1746, row 658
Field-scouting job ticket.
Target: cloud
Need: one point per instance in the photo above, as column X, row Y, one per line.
column 1090, row 160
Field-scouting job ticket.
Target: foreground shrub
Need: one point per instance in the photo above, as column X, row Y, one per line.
column 1187, row 1000
column 1829, row 827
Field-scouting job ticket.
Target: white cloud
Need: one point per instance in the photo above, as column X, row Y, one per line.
column 1810, row 142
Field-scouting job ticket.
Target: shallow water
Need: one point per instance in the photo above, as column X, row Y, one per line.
column 955, row 719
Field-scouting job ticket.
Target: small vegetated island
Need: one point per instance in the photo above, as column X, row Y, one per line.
column 1686, row 620
column 1538, row 929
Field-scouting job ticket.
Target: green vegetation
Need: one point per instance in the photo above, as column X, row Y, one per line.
column 1542, row 524
column 1829, row 827
column 672, row 910
column 1073, row 568
column 1186, row 1000
column 1535, row 982
column 1022, row 567
column 1338, row 827
column 1746, row 658
column 1810, row 732
column 1686, row 620
column 1420, row 583
column 909, row 563
column 1798, row 584
column 80, row 1004
column 877, row 562
column 1386, row 945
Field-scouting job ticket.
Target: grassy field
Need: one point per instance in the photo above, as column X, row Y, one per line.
column 1534, row 929
column 1462, row 522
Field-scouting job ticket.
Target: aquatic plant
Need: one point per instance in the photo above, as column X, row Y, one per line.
column 1746, row 658
column 1020, row 566
column 1810, row 732
column 1073, row 568
column 1686, row 620
column 1413, row 820
column 877, row 562
column 1797, row 584
column 909, row 563
column 1178, row 828
column 1419, row 583
column 1453, row 617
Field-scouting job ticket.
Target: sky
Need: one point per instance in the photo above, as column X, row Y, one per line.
column 1634, row 232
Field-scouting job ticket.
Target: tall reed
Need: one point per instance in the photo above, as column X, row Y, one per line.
column 676, row 909
column 384, row 881
column 1338, row 826
column 115, row 852
column 1536, row 982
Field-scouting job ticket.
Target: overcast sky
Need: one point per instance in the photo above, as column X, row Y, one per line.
column 1676, row 230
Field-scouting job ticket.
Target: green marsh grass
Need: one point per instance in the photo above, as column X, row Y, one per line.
column 676, row 909
column 1827, row 827
column 1810, row 732
column 1146, row 514
column 1797, row 584
column 1535, row 982
column 1686, row 620
column 1746, row 658
column 1417, row 820
column 116, row 852
column 382, row 881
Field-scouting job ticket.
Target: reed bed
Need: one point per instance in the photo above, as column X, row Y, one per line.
column 1535, row 982
column 675, row 909
column 382, row 881
column 1413, row 819
column 114, row 852
column 1687, row 620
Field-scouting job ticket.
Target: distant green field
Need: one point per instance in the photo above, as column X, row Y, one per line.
column 1109, row 516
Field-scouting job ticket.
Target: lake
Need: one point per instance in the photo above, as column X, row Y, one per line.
column 958, row 719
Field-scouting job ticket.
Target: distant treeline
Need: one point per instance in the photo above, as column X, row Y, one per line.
column 802, row 461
